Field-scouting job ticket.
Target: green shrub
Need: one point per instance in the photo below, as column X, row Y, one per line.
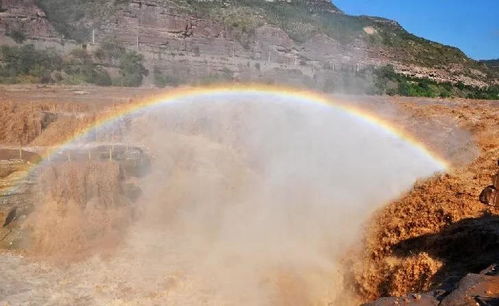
column 110, row 51
column 18, row 36
column 132, row 71
column 28, row 65
column 25, row 64
column 424, row 87
column 27, row 61
column 385, row 81
column 81, row 68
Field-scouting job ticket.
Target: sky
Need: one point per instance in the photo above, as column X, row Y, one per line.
column 470, row 25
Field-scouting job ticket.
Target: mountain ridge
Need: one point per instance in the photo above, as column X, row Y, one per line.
column 295, row 42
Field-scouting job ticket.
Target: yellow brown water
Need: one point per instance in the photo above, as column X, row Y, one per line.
column 243, row 205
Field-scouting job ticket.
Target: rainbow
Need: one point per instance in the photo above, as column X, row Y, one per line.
column 210, row 92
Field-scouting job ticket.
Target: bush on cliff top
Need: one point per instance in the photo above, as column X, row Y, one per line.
column 25, row 64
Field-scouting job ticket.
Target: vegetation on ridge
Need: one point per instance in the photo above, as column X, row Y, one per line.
column 387, row 81
column 25, row 64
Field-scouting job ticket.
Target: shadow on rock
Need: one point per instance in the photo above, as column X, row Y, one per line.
column 469, row 250
column 467, row 246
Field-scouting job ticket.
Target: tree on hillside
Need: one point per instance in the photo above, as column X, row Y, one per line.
column 132, row 70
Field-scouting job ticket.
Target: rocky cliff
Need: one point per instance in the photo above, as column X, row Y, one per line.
column 307, row 42
column 24, row 17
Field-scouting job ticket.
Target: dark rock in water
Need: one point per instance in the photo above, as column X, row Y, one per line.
column 132, row 191
column 491, row 270
column 411, row 299
column 473, row 289
column 486, row 301
column 488, row 195
column 11, row 216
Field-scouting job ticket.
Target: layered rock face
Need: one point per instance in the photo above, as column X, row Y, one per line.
column 189, row 47
column 26, row 17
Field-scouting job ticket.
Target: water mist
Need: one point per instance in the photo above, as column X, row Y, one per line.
column 249, row 200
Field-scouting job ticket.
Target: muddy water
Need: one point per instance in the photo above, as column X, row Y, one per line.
column 96, row 281
column 245, row 204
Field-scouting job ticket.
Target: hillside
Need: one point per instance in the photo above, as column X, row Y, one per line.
column 493, row 65
column 302, row 42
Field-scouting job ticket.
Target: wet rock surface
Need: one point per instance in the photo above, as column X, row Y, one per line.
column 474, row 289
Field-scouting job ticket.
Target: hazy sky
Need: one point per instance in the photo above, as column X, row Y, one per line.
column 471, row 25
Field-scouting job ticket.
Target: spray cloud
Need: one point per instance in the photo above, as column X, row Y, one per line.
column 252, row 201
